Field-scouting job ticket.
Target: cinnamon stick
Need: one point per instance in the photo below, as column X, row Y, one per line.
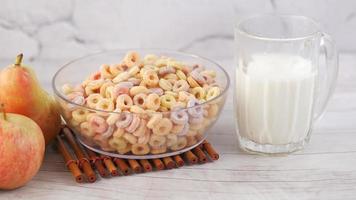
column 96, row 161
column 135, row 166
column 201, row 155
column 123, row 167
column 83, row 160
column 192, row 159
column 147, row 167
column 158, row 164
column 210, row 150
column 70, row 162
column 109, row 165
column 168, row 162
column 179, row 161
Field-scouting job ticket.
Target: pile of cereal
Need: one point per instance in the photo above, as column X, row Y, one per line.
column 143, row 106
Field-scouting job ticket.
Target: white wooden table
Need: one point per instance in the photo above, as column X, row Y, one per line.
column 326, row 169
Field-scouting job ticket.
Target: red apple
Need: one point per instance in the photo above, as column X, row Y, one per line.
column 22, row 147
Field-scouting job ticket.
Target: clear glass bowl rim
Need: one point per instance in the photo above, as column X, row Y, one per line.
column 222, row 93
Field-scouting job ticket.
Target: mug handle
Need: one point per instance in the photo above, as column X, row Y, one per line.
column 327, row 77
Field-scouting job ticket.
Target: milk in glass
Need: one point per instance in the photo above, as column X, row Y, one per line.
column 275, row 98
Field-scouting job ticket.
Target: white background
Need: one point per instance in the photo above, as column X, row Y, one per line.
column 65, row 29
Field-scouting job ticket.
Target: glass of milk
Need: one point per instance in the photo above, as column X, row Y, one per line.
column 281, row 89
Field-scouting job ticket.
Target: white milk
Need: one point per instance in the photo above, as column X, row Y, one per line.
column 275, row 98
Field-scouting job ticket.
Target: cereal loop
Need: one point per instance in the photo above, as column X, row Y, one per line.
column 86, row 130
column 177, row 128
column 212, row 93
column 124, row 101
column 175, row 64
column 126, row 150
column 105, row 72
column 181, row 75
column 134, row 70
column 197, row 77
column 113, row 117
column 137, row 109
column 181, row 143
column 140, row 131
column 105, row 105
column 115, row 69
column 93, row 99
column 140, row 149
column 121, row 88
column 134, row 124
column 167, row 100
column 123, row 76
column 118, row 133
column 157, row 140
column 153, row 102
column 131, row 58
column 166, row 70
column 124, row 120
column 67, row 88
column 138, row 89
column 159, row 150
column 161, row 62
column 184, row 96
column 150, row 77
column 118, row 143
column 130, row 138
column 185, row 130
column 104, row 87
column 196, row 120
column 154, row 120
column 158, row 91
column 140, row 100
column 210, row 73
column 134, row 81
column 145, row 138
column 179, row 117
column 199, row 93
column 93, row 86
column 95, row 76
column 191, row 141
column 98, row 124
column 171, row 93
column 150, row 59
column 192, row 82
column 171, row 139
column 194, row 109
column 180, row 85
column 79, row 115
column 171, row 77
column 108, row 133
column 163, row 127
column 165, row 84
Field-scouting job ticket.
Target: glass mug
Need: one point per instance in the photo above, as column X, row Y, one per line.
column 281, row 89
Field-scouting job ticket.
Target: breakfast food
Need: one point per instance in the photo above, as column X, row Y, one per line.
column 141, row 106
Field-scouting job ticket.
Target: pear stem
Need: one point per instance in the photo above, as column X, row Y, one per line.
column 3, row 111
column 18, row 60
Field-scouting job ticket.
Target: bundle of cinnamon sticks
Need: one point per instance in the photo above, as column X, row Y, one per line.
column 83, row 163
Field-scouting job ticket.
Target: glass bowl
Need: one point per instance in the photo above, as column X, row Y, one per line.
column 147, row 141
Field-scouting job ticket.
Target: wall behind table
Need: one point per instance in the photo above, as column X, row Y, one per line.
column 65, row 29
